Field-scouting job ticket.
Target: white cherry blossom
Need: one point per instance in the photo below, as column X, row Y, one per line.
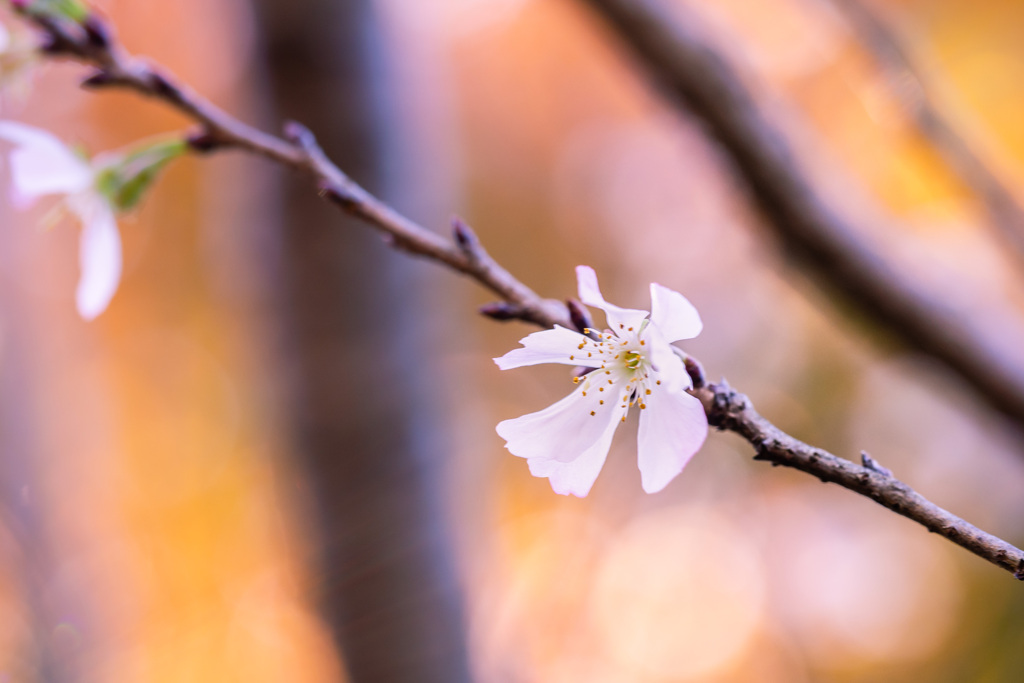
column 630, row 364
column 41, row 165
column 19, row 53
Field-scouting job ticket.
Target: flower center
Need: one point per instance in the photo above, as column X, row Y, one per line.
column 625, row 373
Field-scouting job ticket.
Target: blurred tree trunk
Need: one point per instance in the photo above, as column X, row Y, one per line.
column 353, row 328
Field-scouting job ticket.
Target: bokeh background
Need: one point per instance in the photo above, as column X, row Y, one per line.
column 273, row 458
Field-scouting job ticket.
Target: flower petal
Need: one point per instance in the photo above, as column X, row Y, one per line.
column 590, row 294
column 671, row 370
column 577, row 476
column 549, row 346
column 673, row 314
column 563, row 430
column 99, row 255
column 41, row 164
column 672, row 428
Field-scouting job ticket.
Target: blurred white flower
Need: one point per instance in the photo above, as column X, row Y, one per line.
column 43, row 165
column 632, row 363
column 94, row 190
column 18, row 54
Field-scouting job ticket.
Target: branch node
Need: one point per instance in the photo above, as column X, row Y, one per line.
column 871, row 464
column 202, row 141
column 727, row 403
column 332, row 192
column 763, row 451
column 301, row 136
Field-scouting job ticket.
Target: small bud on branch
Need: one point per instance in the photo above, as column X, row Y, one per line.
column 696, row 372
column 99, row 79
column 464, row 236
column 579, row 315
column 501, row 310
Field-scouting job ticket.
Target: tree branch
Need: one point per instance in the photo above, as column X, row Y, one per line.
column 726, row 409
column 695, row 75
column 96, row 46
column 732, row 411
column 1005, row 212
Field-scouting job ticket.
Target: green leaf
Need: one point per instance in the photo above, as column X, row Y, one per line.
column 74, row 10
column 126, row 181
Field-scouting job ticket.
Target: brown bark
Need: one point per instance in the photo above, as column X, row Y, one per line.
column 373, row 452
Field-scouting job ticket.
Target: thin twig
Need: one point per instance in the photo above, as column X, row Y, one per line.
column 219, row 130
column 732, row 411
column 726, row 409
column 696, row 76
column 1005, row 212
